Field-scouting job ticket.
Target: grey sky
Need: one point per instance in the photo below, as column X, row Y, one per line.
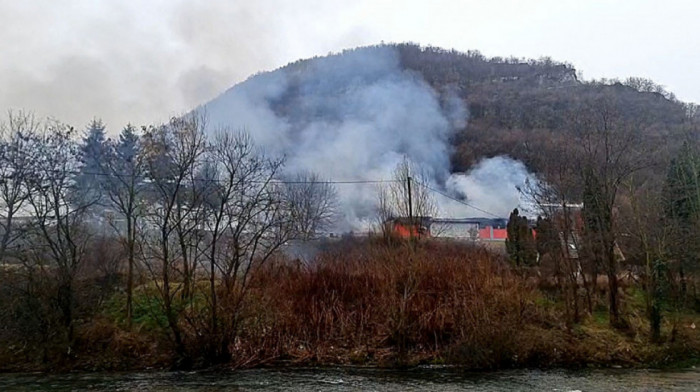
column 143, row 61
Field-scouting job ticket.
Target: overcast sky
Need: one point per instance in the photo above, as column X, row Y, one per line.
column 144, row 61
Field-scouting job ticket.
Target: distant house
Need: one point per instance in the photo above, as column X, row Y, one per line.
column 463, row 229
column 489, row 233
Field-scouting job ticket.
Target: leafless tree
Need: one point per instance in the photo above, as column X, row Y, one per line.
column 124, row 185
column 246, row 218
column 220, row 175
column 608, row 151
column 651, row 236
column 384, row 210
column 58, row 208
column 559, row 243
column 313, row 204
column 172, row 154
column 17, row 152
column 405, row 196
column 557, row 197
column 259, row 223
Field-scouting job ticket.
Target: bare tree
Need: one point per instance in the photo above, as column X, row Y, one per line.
column 558, row 235
column 651, row 234
column 246, row 219
column 609, row 150
column 171, row 154
column 405, row 196
column 556, row 196
column 17, row 152
column 384, row 210
column 221, row 175
column 259, row 222
column 312, row 202
column 124, row 167
column 59, row 208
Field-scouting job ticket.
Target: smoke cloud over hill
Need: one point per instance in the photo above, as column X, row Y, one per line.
column 354, row 117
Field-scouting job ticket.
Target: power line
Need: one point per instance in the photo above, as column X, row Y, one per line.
column 457, row 200
column 275, row 181
column 325, row 182
column 339, row 182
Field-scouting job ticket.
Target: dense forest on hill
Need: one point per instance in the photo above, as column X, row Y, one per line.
column 515, row 106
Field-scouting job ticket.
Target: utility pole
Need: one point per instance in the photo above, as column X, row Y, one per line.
column 410, row 206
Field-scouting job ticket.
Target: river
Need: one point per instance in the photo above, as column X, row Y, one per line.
column 362, row 379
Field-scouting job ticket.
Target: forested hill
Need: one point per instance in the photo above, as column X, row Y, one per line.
column 513, row 106
column 510, row 98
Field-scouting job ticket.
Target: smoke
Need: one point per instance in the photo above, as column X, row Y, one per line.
column 354, row 117
column 493, row 185
column 141, row 62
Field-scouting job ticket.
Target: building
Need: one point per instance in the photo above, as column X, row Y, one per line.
column 463, row 229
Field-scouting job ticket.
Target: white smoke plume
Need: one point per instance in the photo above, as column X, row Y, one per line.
column 354, row 117
column 493, row 185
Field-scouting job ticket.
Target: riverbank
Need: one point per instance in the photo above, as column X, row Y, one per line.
column 356, row 378
column 369, row 304
column 587, row 346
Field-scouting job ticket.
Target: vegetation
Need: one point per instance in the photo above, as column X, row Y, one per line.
column 360, row 302
column 520, row 243
column 517, row 107
column 180, row 209
column 167, row 248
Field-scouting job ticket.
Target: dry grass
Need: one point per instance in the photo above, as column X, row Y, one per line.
column 391, row 304
column 366, row 302
column 375, row 303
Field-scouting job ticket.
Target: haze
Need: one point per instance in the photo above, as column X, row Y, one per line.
column 142, row 62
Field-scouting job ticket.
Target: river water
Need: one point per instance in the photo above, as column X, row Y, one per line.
column 361, row 379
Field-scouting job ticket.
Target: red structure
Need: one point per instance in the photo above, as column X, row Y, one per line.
column 488, row 233
column 404, row 228
column 483, row 229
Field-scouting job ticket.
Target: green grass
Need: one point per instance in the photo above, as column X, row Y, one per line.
column 545, row 302
column 601, row 316
column 148, row 312
column 636, row 298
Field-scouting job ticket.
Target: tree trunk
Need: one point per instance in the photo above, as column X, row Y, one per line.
column 612, row 286
column 167, row 303
column 216, row 341
column 6, row 236
column 130, row 272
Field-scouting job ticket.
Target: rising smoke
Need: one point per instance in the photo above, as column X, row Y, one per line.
column 354, row 117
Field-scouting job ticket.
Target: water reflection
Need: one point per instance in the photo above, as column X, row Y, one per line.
column 361, row 379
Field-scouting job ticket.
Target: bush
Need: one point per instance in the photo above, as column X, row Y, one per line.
column 448, row 300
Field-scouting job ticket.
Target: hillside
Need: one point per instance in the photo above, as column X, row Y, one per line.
column 186, row 246
column 504, row 104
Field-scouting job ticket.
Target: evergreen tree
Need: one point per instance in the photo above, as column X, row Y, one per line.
column 520, row 243
column 123, row 190
column 683, row 187
column 128, row 147
column 682, row 208
column 93, row 152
